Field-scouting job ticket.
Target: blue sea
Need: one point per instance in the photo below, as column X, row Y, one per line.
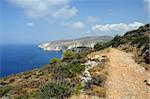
column 16, row 58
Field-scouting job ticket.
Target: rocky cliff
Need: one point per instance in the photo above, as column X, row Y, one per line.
column 68, row 44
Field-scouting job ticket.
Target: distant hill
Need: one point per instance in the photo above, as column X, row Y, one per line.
column 68, row 44
column 143, row 30
column 136, row 41
column 27, row 85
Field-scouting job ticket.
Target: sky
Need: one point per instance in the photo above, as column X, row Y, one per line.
column 37, row 21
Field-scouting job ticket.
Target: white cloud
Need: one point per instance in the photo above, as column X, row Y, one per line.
column 147, row 4
column 93, row 19
column 74, row 25
column 65, row 12
column 30, row 24
column 121, row 27
column 46, row 8
column 78, row 25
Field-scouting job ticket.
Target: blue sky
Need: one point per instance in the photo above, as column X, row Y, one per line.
column 37, row 21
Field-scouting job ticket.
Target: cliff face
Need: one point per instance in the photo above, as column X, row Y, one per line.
column 68, row 44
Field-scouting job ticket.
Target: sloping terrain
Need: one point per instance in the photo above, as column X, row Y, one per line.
column 137, row 41
column 68, row 44
column 119, row 73
column 126, row 78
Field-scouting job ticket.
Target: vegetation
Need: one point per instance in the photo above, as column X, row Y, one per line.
column 68, row 54
column 4, row 90
column 55, row 90
column 138, row 39
column 55, row 60
column 61, row 78
column 141, row 41
column 77, row 89
column 61, row 71
column 98, row 91
column 101, row 46
column 99, row 76
column 61, row 74
column 66, row 70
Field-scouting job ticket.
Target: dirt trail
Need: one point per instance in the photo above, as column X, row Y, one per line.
column 126, row 78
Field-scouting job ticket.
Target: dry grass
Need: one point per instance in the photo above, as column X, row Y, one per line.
column 96, row 69
column 98, row 91
column 100, row 73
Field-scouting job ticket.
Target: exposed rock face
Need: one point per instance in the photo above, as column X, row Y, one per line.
column 69, row 44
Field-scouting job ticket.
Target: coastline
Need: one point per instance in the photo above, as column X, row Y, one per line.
column 19, row 58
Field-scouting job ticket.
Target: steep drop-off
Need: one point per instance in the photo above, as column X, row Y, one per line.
column 68, row 44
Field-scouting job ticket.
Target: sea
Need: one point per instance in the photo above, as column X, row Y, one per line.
column 16, row 58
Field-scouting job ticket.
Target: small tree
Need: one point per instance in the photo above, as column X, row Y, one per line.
column 68, row 54
column 55, row 60
column 116, row 41
column 98, row 46
column 101, row 46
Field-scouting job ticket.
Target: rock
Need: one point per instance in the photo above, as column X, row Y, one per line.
column 69, row 44
column 5, row 97
column 147, row 82
column 96, row 80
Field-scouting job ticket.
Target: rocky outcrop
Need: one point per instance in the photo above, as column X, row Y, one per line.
column 87, row 78
column 69, row 44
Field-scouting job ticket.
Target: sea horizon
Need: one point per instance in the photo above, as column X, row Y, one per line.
column 17, row 58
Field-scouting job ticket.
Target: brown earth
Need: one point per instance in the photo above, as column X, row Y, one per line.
column 126, row 78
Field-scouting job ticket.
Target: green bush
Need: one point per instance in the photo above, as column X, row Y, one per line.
column 55, row 90
column 116, row 41
column 141, row 40
column 4, row 90
column 77, row 89
column 60, row 71
column 98, row 47
column 66, row 70
column 101, row 46
column 68, row 54
column 55, row 60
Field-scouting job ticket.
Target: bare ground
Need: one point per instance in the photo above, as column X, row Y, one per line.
column 126, row 78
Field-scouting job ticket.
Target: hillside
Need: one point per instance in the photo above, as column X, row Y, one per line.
column 135, row 41
column 68, row 44
column 125, row 78
column 138, row 42
column 111, row 70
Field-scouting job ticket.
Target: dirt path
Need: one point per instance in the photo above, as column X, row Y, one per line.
column 126, row 78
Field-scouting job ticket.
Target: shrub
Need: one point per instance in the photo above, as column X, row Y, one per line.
column 4, row 90
column 98, row 91
column 98, row 79
column 116, row 41
column 96, row 69
column 98, row 46
column 68, row 54
column 55, row 90
column 40, row 73
column 65, row 70
column 55, row 60
column 101, row 46
column 61, row 71
column 141, row 41
column 77, row 89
